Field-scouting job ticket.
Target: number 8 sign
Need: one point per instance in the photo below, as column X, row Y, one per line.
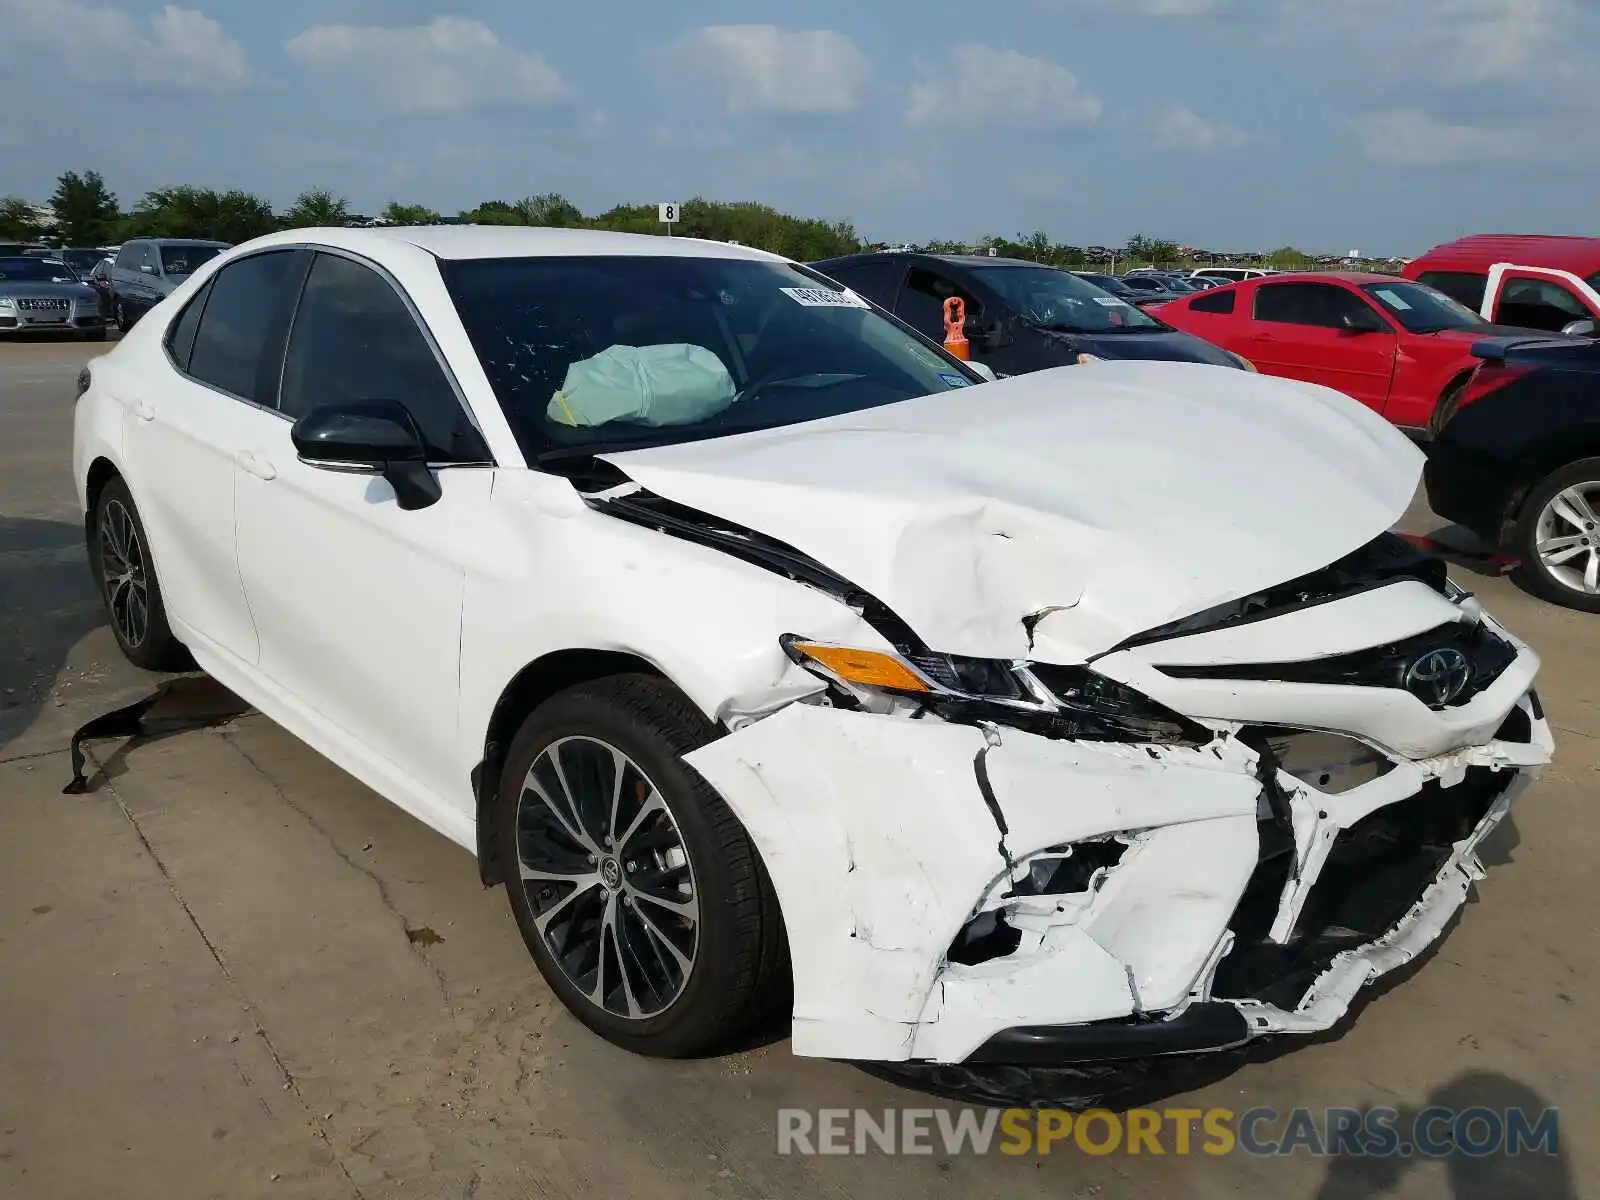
column 669, row 214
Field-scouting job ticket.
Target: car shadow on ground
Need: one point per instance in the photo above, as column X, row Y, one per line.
column 47, row 605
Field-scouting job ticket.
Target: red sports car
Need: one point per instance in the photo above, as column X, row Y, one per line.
column 1398, row 347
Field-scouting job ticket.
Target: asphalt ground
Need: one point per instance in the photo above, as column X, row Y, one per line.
column 233, row 971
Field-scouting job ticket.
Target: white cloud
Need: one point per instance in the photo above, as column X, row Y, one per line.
column 178, row 48
column 1408, row 137
column 449, row 65
column 1451, row 40
column 984, row 86
column 1139, row 8
column 763, row 68
column 1180, row 128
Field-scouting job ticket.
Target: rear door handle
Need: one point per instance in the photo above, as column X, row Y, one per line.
column 256, row 465
column 143, row 411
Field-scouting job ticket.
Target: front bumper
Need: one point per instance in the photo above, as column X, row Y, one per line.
column 887, row 839
column 18, row 322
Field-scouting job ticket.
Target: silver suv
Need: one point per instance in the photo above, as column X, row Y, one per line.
column 148, row 270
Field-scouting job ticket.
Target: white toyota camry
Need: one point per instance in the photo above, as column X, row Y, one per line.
column 1084, row 716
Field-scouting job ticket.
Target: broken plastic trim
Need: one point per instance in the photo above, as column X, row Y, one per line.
column 134, row 722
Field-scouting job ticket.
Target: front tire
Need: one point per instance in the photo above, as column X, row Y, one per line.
column 119, row 557
column 1558, row 537
column 124, row 320
column 640, row 896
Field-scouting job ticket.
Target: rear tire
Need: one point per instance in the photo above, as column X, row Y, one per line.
column 1562, row 514
column 608, row 923
column 124, row 573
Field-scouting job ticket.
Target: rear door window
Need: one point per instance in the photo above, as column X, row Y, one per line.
column 1464, row 287
column 238, row 322
column 875, row 278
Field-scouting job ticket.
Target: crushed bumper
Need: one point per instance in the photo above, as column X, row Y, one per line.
column 888, row 838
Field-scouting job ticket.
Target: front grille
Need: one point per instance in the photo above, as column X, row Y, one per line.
column 1375, row 873
column 41, row 305
column 1487, row 654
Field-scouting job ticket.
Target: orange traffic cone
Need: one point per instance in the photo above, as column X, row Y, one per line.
column 955, row 319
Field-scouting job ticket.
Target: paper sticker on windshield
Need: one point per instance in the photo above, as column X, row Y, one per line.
column 954, row 380
column 1392, row 299
column 824, row 298
column 1110, row 302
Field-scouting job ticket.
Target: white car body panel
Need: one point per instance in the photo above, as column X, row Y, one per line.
column 1046, row 494
column 1049, row 518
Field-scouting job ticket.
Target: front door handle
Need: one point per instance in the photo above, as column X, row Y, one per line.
column 256, row 465
column 143, row 411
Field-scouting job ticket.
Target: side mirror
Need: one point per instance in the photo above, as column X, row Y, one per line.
column 1583, row 328
column 147, row 268
column 378, row 437
column 1362, row 320
column 984, row 331
column 983, row 369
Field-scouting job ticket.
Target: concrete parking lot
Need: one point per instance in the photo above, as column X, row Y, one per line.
column 233, row 971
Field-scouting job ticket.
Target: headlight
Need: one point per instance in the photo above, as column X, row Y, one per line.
column 1244, row 363
column 7, row 302
column 1060, row 702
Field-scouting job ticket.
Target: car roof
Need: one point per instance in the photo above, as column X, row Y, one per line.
column 458, row 242
column 1580, row 255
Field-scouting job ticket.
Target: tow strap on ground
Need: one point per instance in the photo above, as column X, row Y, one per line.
column 134, row 722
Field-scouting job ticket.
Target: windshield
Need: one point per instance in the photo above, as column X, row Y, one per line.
column 184, row 260
column 1061, row 300
column 34, row 270
column 621, row 352
column 1422, row 309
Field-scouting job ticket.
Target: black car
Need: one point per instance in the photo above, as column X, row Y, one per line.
column 1143, row 290
column 1021, row 316
column 1515, row 458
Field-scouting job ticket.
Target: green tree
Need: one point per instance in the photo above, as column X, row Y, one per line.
column 186, row 211
column 1287, row 258
column 1157, row 252
column 550, row 208
column 409, row 214
column 494, row 212
column 18, row 220
column 86, row 211
column 317, row 208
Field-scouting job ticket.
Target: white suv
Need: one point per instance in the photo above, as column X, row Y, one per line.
column 765, row 659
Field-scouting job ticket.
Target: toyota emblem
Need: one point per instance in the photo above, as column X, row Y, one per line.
column 1438, row 676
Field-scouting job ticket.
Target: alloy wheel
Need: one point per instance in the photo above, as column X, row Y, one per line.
column 124, row 574
column 1568, row 537
column 607, row 877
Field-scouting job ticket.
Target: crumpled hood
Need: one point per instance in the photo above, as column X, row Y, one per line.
column 1088, row 503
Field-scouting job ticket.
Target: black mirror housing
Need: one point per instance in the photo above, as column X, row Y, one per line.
column 376, row 436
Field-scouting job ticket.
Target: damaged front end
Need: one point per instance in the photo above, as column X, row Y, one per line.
column 1216, row 831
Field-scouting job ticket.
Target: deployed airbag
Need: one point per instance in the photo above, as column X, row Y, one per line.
column 676, row 384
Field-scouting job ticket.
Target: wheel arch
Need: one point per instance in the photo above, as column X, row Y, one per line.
column 101, row 472
column 533, row 685
column 1550, row 454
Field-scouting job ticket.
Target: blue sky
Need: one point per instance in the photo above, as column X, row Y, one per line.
column 1383, row 126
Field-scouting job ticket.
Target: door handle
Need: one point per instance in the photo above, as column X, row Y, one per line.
column 256, row 465
column 143, row 411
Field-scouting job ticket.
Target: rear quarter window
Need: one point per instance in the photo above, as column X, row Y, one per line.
column 1215, row 302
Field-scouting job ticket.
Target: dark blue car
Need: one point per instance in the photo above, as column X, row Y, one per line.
column 1021, row 316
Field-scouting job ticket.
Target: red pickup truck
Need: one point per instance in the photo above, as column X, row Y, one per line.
column 1535, row 281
